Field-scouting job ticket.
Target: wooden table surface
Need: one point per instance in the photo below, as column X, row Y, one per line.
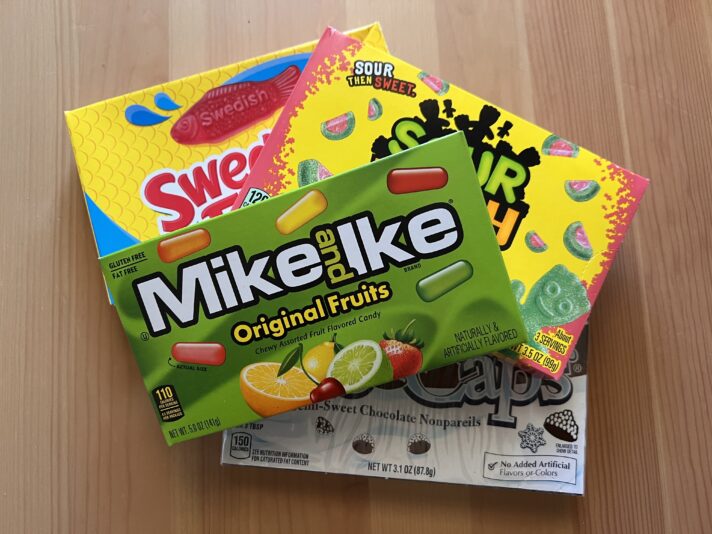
column 79, row 448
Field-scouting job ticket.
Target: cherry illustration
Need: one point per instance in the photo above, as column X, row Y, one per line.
column 328, row 388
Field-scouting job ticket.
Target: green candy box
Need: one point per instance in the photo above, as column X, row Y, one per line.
column 373, row 275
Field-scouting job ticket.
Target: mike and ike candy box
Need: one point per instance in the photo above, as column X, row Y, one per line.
column 559, row 211
column 159, row 159
column 380, row 273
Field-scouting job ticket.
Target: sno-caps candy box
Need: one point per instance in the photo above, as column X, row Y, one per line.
column 159, row 159
column 559, row 211
column 389, row 269
column 481, row 421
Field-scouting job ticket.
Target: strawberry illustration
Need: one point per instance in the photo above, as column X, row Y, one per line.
column 403, row 349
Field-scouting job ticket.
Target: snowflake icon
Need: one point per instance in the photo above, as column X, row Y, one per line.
column 532, row 437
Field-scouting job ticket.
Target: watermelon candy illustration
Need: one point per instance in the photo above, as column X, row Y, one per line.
column 310, row 171
column 339, row 127
column 436, row 84
column 375, row 109
column 576, row 241
column 556, row 146
column 534, row 242
column 581, row 190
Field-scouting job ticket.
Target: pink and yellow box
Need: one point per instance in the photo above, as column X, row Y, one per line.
column 559, row 211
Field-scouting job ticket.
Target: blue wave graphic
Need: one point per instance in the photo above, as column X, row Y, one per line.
column 142, row 116
column 165, row 102
column 270, row 69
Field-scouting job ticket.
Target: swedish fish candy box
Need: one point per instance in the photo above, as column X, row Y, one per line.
column 157, row 160
column 338, row 287
column 559, row 211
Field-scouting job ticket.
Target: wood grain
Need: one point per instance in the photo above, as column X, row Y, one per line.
column 80, row 450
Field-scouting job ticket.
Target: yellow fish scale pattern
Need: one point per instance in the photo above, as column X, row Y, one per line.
column 114, row 157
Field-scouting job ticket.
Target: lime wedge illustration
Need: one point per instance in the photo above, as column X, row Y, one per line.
column 360, row 365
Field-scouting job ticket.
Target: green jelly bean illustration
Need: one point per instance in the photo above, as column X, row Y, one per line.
column 446, row 279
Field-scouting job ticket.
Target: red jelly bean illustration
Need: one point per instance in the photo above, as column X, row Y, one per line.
column 402, row 181
column 199, row 353
column 226, row 110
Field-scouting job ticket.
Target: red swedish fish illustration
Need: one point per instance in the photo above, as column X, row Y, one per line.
column 226, row 110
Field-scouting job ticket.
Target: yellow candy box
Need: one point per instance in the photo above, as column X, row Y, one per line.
column 559, row 211
column 159, row 159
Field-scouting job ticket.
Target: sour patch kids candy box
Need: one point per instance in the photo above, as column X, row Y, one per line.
column 559, row 211
column 382, row 279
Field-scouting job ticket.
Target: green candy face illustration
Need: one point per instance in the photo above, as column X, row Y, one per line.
column 557, row 298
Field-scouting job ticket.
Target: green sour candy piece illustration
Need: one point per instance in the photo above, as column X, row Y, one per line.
column 310, row 171
column 581, row 190
column 339, row 127
column 375, row 109
column 556, row 298
column 576, row 241
column 518, row 289
column 534, row 242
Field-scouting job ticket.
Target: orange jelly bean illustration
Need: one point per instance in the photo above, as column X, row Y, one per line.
column 180, row 246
